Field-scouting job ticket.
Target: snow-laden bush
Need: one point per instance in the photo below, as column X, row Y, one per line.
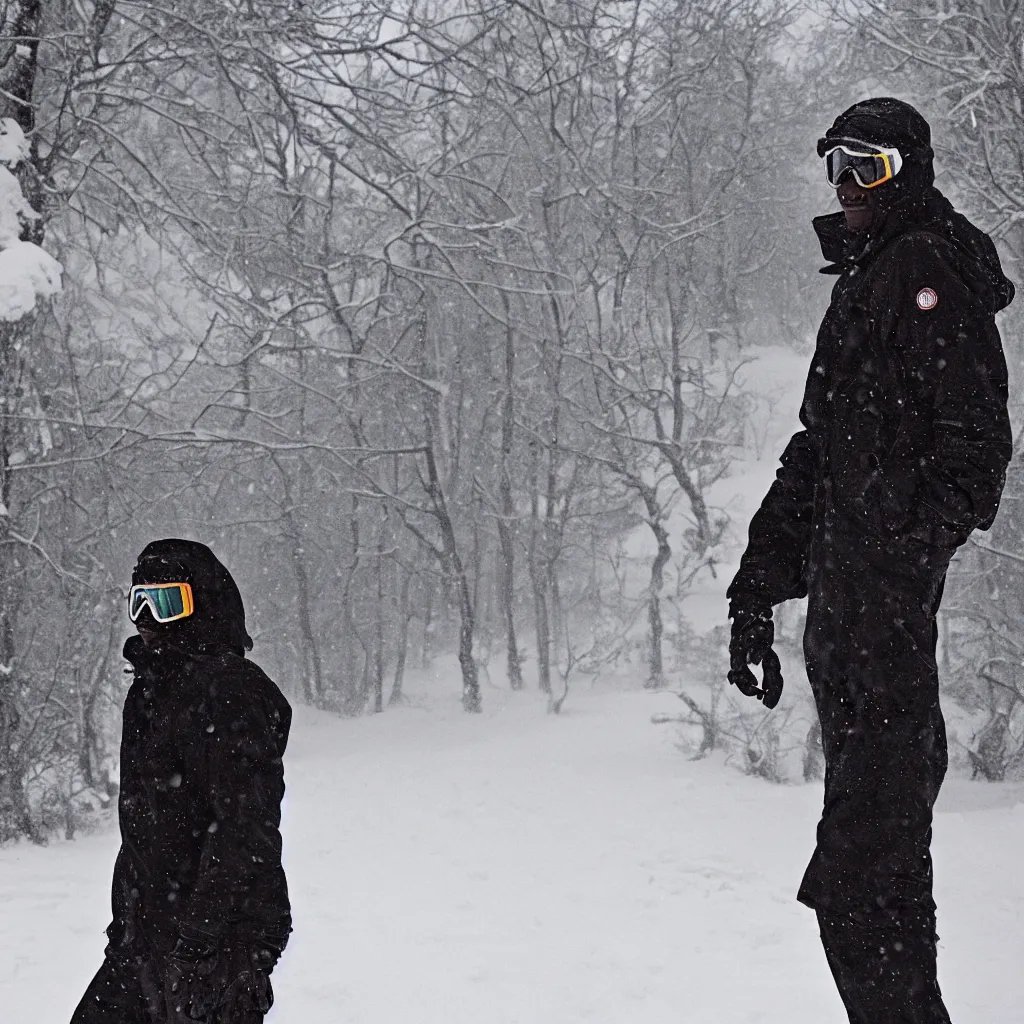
column 27, row 271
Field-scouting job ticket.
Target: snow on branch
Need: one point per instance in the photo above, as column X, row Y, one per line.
column 27, row 271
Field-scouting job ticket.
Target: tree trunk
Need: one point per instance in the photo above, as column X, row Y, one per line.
column 506, row 540
column 312, row 674
column 89, row 742
column 427, row 645
column 456, row 571
column 555, row 610
column 350, row 689
column 538, row 582
column 543, row 626
column 313, row 681
column 655, row 520
column 403, row 619
column 506, row 585
column 656, row 679
column 479, row 591
column 673, row 448
column 470, row 677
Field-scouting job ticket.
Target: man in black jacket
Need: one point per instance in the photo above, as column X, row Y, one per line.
column 903, row 453
column 200, row 903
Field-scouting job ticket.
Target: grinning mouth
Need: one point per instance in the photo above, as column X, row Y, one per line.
column 856, row 209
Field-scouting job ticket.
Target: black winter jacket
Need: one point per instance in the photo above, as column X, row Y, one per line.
column 204, row 732
column 906, row 435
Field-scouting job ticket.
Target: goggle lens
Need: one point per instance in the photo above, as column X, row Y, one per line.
column 166, row 601
column 868, row 169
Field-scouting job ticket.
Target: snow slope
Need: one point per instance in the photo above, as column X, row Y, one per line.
column 520, row 867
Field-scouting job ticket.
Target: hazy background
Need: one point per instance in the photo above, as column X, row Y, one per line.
column 460, row 330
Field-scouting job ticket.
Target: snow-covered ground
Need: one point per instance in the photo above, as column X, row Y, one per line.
column 521, row 867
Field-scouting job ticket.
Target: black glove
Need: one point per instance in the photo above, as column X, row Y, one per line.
column 753, row 633
column 249, row 994
column 191, row 986
column 232, row 979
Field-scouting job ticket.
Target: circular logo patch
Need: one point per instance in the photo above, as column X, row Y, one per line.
column 927, row 299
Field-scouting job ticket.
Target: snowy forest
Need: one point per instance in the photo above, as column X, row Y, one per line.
column 441, row 322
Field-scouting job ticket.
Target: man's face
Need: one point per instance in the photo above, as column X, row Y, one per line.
column 859, row 204
column 149, row 629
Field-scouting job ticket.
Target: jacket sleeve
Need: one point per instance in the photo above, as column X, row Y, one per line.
column 773, row 567
column 123, row 931
column 243, row 839
column 953, row 359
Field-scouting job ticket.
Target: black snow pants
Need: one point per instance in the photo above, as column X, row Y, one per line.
column 870, row 646
column 884, row 965
column 126, row 991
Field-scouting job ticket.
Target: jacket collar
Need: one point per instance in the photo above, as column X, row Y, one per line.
column 978, row 260
column 835, row 240
column 844, row 249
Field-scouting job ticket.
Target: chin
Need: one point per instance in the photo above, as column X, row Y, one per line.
column 857, row 225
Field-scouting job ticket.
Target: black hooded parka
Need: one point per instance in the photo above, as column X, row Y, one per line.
column 904, row 450
column 204, row 732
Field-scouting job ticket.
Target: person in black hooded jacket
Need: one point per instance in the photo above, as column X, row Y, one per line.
column 200, row 903
column 904, row 449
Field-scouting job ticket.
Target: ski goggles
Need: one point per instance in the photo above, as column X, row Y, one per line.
column 870, row 167
column 167, row 602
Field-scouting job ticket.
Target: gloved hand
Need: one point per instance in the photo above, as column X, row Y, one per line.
column 249, row 994
column 753, row 633
column 231, row 979
column 191, row 986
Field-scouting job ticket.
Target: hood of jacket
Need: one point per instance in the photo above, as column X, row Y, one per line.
column 888, row 122
column 217, row 625
column 928, row 210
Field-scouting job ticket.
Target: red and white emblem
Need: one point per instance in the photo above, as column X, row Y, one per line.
column 927, row 299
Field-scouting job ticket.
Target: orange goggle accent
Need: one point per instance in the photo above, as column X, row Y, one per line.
column 167, row 602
